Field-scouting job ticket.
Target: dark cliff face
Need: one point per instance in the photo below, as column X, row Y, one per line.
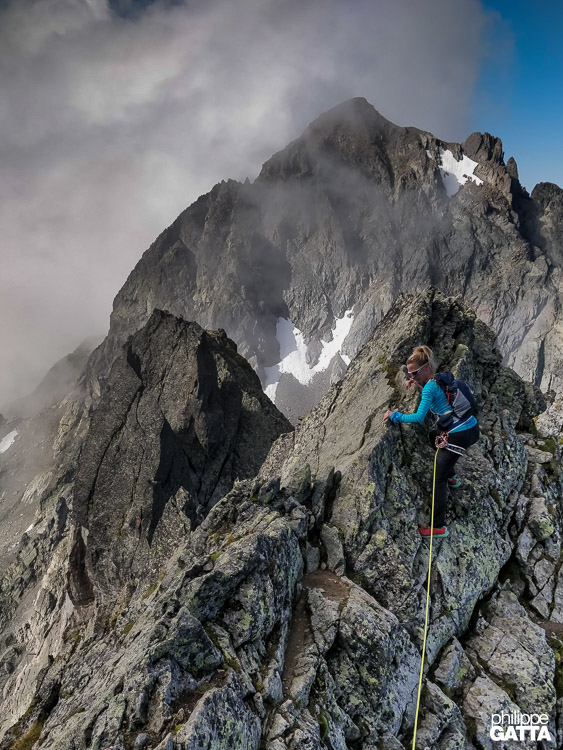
column 181, row 417
column 97, row 494
column 348, row 216
column 171, row 608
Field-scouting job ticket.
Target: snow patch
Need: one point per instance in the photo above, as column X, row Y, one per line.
column 270, row 390
column 29, row 528
column 456, row 173
column 293, row 352
column 8, row 441
column 330, row 348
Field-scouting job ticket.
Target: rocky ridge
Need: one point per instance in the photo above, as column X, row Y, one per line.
column 286, row 611
column 181, row 416
column 345, row 218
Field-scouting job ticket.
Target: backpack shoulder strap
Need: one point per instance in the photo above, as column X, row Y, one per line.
column 444, row 379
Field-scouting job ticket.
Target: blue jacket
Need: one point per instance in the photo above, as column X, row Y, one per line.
column 433, row 399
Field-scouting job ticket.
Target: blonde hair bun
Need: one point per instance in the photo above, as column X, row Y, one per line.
column 421, row 355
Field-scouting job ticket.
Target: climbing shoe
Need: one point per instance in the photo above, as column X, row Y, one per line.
column 427, row 531
column 454, row 482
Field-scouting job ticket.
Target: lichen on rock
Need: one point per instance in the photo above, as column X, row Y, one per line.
column 279, row 600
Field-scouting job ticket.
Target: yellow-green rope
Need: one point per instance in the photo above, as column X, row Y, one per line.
column 427, row 605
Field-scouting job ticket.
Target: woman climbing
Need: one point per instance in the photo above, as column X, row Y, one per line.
column 454, row 434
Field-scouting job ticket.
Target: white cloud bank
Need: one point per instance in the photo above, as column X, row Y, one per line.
column 109, row 127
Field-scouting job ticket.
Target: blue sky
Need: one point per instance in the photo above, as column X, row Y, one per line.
column 519, row 96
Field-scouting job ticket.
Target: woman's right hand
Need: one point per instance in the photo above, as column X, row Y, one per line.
column 411, row 381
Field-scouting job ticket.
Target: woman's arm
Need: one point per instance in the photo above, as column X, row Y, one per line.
column 423, row 407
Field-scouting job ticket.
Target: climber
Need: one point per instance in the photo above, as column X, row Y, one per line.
column 454, row 433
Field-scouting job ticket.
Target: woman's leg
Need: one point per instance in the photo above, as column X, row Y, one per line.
column 465, row 438
column 445, row 462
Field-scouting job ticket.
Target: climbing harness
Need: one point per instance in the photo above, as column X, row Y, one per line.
column 442, row 441
column 455, row 449
column 427, row 606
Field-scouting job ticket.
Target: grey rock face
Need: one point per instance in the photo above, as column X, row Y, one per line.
column 347, row 217
column 514, row 652
column 217, row 626
column 455, row 671
column 483, row 699
column 384, row 492
column 182, row 415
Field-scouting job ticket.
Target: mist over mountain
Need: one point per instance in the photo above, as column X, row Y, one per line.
column 58, row 381
column 209, row 534
column 340, row 222
column 112, row 125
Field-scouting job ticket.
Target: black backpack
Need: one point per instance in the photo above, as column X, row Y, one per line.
column 459, row 396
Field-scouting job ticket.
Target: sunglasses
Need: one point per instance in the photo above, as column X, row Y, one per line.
column 412, row 373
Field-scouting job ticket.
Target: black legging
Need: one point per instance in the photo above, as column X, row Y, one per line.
column 445, row 462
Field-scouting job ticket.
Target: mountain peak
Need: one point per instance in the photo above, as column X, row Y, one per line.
column 354, row 211
column 484, row 147
column 350, row 132
column 353, row 113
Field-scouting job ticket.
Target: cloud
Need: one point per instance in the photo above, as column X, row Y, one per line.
column 112, row 123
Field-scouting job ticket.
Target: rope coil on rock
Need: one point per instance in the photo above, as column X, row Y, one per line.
column 427, row 606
